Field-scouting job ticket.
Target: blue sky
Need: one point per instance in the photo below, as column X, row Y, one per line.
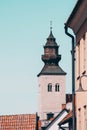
column 24, row 27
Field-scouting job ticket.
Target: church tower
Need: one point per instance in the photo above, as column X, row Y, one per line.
column 51, row 81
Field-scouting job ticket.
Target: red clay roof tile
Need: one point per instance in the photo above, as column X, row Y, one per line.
column 18, row 122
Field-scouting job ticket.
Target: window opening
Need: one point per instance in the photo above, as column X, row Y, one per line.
column 57, row 87
column 49, row 87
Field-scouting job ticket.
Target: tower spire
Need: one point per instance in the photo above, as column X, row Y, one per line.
column 51, row 56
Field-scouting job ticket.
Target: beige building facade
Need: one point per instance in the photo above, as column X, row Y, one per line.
column 50, row 102
column 78, row 23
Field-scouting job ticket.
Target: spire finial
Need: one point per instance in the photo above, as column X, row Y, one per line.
column 50, row 26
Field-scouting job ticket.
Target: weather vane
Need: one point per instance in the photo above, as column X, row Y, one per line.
column 50, row 26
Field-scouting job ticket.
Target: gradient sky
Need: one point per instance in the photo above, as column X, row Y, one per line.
column 24, row 27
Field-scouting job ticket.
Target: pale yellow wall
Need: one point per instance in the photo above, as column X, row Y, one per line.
column 81, row 97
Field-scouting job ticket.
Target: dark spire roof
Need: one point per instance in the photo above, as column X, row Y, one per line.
column 51, row 35
column 51, row 70
column 51, row 40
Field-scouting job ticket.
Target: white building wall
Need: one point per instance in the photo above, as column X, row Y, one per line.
column 51, row 101
column 69, row 106
column 55, row 125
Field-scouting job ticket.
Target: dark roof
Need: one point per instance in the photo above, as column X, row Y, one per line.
column 53, row 121
column 16, row 122
column 51, row 70
column 75, row 9
column 66, row 118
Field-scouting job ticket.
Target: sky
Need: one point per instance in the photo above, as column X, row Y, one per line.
column 24, row 28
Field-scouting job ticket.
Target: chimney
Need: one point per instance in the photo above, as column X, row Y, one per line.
column 50, row 115
column 63, row 106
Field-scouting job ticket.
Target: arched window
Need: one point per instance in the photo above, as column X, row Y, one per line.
column 49, row 87
column 57, row 88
